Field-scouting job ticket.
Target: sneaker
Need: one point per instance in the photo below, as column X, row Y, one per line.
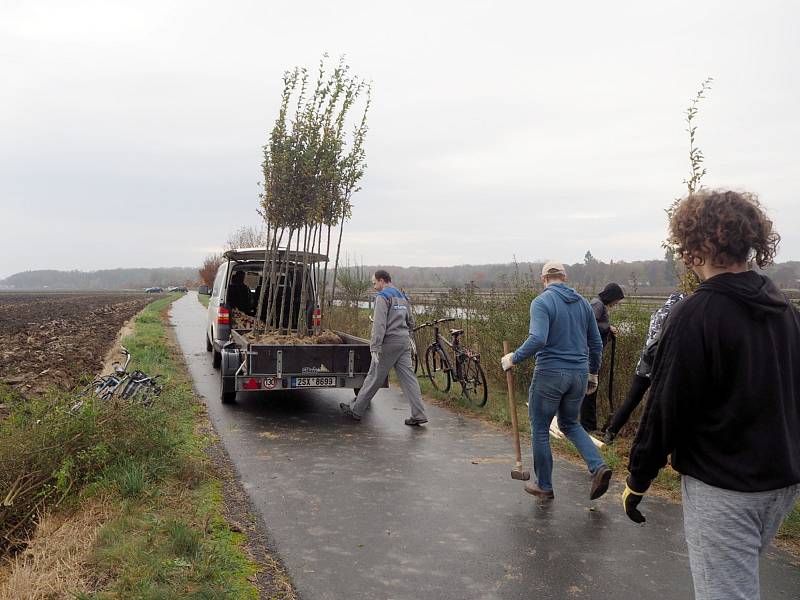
column 600, row 480
column 412, row 422
column 535, row 490
column 348, row 412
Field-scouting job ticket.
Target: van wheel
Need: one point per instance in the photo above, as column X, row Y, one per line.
column 209, row 346
column 216, row 359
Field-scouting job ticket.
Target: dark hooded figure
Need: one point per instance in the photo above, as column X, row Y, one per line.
column 611, row 295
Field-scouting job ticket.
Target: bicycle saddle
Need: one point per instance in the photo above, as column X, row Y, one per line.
column 456, row 331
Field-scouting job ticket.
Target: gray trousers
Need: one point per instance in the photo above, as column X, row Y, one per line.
column 726, row 531
column 397, row 356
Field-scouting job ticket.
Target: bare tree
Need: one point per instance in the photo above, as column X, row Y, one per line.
column 247, row 236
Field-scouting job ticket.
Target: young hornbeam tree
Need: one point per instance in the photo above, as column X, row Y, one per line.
column 311, row 169
column 688, row 281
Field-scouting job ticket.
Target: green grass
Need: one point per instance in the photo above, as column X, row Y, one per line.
column 170, row 539
column 204, row 298
column 790, row 529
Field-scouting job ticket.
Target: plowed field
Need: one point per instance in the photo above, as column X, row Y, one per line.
column 53, row 339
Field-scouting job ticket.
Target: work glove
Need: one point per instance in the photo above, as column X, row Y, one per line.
column 630, row 502
column 591, row 387
column 376, row 357
column 507, row 361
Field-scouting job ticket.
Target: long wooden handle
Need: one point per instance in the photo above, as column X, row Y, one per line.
column 512, row 406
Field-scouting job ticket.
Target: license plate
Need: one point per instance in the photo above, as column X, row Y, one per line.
column 304, row 382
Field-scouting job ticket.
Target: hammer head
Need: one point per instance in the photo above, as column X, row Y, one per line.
column 520, row 474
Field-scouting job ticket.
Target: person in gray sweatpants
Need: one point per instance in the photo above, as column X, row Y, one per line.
column 725, row 396
column 390, row 346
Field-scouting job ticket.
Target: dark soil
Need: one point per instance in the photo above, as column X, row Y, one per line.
column 54, row 339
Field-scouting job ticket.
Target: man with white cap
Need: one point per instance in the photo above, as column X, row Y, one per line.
column 566, row 343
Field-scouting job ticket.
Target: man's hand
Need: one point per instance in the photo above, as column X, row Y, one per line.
column 376, row 357
column 591, row 387
column 507, row 361
column 630, row 502
column 613, row 330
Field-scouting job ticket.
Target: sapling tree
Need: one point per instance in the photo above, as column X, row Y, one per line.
column 312, row 165
column 688, row 281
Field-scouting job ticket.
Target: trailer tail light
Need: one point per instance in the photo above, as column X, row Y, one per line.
column 252, row 384
column 223, row 316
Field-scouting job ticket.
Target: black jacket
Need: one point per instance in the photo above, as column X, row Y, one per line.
column 601, row 316
column 725, row 399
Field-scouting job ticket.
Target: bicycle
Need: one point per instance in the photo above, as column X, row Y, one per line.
column 136, row 386
column 465, row 369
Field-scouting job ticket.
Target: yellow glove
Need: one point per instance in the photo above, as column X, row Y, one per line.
column 630, row 500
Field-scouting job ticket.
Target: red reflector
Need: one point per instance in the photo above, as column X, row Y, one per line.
column 251, row 384
column 223, row 316
column 317, row 317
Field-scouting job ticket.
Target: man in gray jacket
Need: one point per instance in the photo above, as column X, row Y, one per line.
column 390, row 346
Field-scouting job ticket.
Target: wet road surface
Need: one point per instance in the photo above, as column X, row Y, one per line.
column 379, row 510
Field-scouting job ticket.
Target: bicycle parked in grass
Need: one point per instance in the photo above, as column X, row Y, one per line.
column 464, row 366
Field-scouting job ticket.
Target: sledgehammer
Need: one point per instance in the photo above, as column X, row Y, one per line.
column 517, row 472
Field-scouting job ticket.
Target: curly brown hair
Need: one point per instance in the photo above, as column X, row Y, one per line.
column 724, row 227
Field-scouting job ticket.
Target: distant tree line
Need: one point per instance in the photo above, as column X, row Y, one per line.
column 643, row 275
column 107, row 279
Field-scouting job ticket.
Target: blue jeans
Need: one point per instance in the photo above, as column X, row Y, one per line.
column 560, row 392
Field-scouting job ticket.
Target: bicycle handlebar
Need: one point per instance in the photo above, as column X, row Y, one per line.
column 432, row 323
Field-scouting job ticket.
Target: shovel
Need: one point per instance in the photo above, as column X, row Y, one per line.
column 517, row 472
column 611, row 383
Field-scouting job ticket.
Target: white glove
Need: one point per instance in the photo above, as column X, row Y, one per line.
column 507, row 361
column 591, row 388
column 376, row 357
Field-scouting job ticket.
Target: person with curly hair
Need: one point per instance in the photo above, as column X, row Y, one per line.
column 725, row 396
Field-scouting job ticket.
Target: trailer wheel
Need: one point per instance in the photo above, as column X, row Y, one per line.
column 228, row 395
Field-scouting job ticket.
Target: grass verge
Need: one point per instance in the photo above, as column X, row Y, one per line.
column 167, row 536
column 203, row 299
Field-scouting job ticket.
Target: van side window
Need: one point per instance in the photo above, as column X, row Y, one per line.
column 218, row 281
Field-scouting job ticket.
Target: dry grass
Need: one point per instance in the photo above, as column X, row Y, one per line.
column 54, row 565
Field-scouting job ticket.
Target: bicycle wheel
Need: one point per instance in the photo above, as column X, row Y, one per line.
column 473, row 386
column 438, row 368
column 414, row 357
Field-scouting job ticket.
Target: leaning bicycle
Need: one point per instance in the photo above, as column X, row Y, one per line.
column 464, row 366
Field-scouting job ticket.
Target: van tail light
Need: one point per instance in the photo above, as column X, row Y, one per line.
column 316, row 319
column 223, row 316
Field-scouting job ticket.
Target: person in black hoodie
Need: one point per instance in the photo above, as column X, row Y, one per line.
column 609, row 297
column 725, row 396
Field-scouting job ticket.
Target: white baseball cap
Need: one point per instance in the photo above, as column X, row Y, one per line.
column 553, row 267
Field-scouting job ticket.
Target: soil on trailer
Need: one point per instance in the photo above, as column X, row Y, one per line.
column 54, row 339
column 243, row 321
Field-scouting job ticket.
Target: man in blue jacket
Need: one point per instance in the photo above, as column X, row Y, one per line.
column 566, row 343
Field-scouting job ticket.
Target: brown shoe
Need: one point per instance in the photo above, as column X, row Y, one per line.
column 600, row 480
column 534, row 489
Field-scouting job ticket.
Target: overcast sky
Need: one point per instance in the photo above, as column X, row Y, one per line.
column 132, row 131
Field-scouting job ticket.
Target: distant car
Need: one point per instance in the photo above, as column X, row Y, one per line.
column 153, row 290
column 178, row 288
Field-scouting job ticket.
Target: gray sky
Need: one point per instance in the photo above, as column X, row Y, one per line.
column 132, row 131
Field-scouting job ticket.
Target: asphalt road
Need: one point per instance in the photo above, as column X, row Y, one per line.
column 379, row 510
